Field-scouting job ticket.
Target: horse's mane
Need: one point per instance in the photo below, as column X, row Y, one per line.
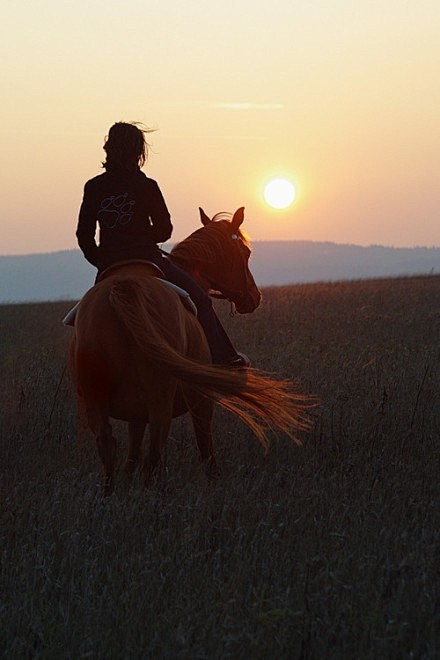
column 206, row 244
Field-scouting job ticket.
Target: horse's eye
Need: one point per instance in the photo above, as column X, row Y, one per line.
column 234, row 237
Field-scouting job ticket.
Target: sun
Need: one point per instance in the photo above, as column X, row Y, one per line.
column 279, row 193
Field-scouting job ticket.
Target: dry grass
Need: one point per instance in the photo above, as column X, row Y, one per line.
column 324, row 551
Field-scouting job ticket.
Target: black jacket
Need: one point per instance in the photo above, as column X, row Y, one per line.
column 132, row 217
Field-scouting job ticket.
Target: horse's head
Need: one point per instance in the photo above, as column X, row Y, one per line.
column 217, row 255
column 230, row 273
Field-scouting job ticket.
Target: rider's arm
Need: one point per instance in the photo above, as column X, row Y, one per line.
column 161, row 227
column 86, row 228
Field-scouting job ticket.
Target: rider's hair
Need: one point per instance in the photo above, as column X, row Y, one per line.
column 126, row 146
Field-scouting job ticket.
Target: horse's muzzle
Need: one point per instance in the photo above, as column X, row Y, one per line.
column 248, row 301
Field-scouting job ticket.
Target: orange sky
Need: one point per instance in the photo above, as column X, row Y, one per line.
column 343, row 98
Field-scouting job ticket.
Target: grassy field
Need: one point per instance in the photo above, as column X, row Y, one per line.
column 323, row 551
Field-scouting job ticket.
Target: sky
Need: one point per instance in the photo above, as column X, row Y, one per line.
column 340, row 97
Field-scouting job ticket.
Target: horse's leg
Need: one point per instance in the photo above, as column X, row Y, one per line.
column 136, row 432
column 160, row 414
column 98, row 422
column 106, row 444
column 202, row 410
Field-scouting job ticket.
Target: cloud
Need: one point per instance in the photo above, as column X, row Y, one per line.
column 248, row 106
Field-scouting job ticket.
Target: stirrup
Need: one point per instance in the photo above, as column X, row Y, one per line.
column 241, row 360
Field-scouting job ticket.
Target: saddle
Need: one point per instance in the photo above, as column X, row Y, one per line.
column 184, row 296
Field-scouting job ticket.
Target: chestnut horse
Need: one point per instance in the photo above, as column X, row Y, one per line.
column 140, row 355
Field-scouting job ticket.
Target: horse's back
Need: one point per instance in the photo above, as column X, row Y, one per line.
column 98, row 320
column 121, row 325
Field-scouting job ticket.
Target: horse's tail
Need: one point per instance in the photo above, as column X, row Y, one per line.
column 257, row 399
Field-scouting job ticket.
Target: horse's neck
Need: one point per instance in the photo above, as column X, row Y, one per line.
column 201, row 257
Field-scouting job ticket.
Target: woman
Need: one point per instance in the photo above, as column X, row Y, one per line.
column 133, row 217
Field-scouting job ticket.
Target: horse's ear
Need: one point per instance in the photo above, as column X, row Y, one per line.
column 238, row 218
column 203, row 217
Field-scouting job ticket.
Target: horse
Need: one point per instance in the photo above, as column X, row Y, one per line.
column 138, row 354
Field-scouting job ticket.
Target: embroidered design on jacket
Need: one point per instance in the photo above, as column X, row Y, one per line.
column 115, row 211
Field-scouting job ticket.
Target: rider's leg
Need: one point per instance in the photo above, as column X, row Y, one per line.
column 222, row 350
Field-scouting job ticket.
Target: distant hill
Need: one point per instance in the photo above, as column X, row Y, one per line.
column 66, row 275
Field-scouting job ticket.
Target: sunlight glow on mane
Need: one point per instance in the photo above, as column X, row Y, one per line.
column 205, row 244
column 224, row 215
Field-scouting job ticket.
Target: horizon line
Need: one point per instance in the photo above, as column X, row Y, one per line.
column 253, row 242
